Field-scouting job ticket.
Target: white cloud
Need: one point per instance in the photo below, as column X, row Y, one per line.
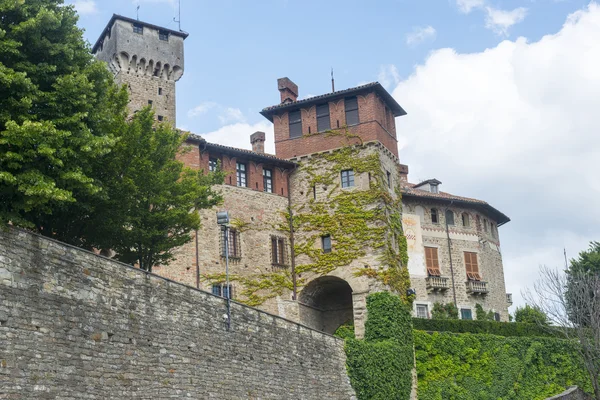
column 238, row 135
column 466, row 6
column 420, row 34
column 231, row 114
column 388, row 76
column 202, row 108
column 517, row 126
column 85, row 7
column 500, row 20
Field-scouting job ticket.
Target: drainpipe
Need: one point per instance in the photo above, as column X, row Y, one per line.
column 292, row 251
column 450, row 254
column 197, row 264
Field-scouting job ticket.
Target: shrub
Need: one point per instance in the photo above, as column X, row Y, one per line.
column 481, row 315
column 444, row 311
column 489, row 327
column 531, row 315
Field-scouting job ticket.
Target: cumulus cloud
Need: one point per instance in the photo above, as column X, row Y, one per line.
column 85, row 7
column 388, row 76
column 500, row 20
column 238, row 135
column 466, row 6
column 202, row 108
column 420, row 34
column 231, row 114
column 517, row 126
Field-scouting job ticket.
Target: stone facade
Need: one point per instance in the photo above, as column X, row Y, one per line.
column 74, row 325
column 147, row 59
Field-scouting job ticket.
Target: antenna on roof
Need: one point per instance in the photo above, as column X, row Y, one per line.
column 332, row 81
column 179, row 17
column 137, row 12
column 566, row 263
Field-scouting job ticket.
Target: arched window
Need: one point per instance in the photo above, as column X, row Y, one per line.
column 434, row 216
column 465, row 220
column 449, row 217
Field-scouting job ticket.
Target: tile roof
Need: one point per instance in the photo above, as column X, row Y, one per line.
column 268, row 112
column 192, row 137
column 409, row 190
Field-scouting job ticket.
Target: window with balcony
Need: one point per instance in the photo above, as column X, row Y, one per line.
column 422, row 311
column 323, row 122
column 472, row 266
column 347, row 178
column 295, row 121
column 351, row 108
column 434, row 216
column 432, row 262
column 466, row 313
column 241, row 174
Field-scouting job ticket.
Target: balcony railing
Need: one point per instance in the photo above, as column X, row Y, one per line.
column 477, row 287
column 509, row 299
column 436, row 283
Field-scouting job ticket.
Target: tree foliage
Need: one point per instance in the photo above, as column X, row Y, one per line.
column 59, row 110
column 444, row 311
column 531, row 315
column 151, row 197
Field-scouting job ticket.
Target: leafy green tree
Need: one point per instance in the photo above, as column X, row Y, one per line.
column 59, row 109
column 444, row 311
column 531, row 315
column 152, row 198
column 482, row 315
column 588, row 260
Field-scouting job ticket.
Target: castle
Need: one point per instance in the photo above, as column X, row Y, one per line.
column 328, row 219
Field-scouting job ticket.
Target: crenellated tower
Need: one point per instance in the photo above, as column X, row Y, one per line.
column 145, row 57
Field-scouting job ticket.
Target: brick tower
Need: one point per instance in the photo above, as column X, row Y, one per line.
column 145, row 57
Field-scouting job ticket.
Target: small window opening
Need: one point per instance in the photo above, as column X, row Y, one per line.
column 347, row 178
column 465, row 220
column 314, row 192
column 326, row 243
column 434, row 216
column 149, row 102
column 466, row 313
column 160, row 118
column 160, row 91
column 163, row 35
column 138, row 28
column 422, row 311
column 389, row 178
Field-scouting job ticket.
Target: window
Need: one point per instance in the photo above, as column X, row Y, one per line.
column 240, row 172
column 493, row 229
column 466, row 313
column 389, row 178
column 465, row 220
column 138, row 28
column 497, row 317
column 278, row 255
column 160, row 91
column 434, row 189
column 323, row 122
column 449, row 217
column 163, row 35
column 160, row 118
column 432, row 262
column 422, row 311
column 351, row 104
column 485, row 225
column 233, row 244
column 221, row 289
column 213, row 164
column 434, row 216
column 347, row 178
column 295, row 118
column 149, row 102
column 472, row 266
column 268, row 180
column 326, row 243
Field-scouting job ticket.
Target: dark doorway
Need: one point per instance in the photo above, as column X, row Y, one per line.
column 326, row 303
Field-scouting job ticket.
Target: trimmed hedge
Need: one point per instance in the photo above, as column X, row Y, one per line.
column 380, row 366
column 488, row 367
column 488, row 327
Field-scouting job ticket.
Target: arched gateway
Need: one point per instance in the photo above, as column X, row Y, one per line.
column 326, row 303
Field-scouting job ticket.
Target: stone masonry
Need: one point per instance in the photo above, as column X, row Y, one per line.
column 74, row 325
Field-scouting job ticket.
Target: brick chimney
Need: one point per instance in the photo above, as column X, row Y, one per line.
column 404, row 172
column 287, row 89
column 258, row 142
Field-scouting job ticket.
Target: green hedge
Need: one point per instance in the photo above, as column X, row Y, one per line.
column 488, row 367
column 489, row 327
column 380, row 366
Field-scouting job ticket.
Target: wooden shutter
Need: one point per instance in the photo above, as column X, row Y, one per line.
column 472, row 266
column 432, row 262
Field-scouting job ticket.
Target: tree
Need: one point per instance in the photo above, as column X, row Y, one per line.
column 151, row 197
column 444, row 311
column 531, row 315
column 571, row 301
column 59, row 109
column 482, row 315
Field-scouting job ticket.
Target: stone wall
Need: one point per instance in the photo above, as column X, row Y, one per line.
column 74, row 325
column 572, row 393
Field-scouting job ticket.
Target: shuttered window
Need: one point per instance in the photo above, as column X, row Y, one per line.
column 432, row 262
column 351, row 105
column 323, row 122
column 472, row 266
column 449, row 217
column 295, row 118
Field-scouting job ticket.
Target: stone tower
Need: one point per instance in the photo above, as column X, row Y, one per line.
column 145, row 57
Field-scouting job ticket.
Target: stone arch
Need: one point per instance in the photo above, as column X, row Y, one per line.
column 326, row 303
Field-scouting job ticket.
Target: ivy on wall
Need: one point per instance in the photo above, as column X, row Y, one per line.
column 482, row 367
column 380, row 366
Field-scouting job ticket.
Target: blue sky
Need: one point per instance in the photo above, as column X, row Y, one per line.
column 502, row 96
